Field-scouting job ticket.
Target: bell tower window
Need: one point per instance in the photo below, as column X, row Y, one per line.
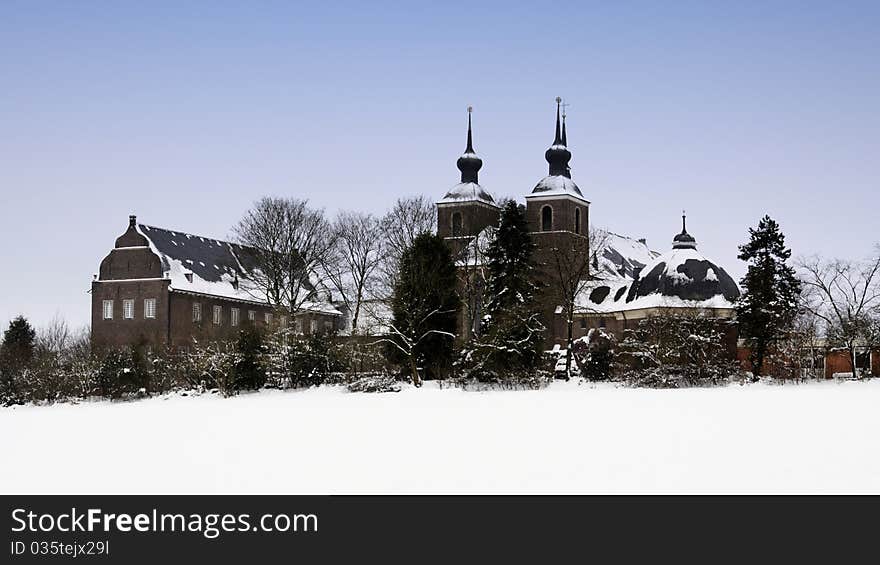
column 577, row 220
column 546, row 218
column 456, row 224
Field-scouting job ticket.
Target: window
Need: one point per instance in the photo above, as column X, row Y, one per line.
column 577, row 220
column 268, row 318
column 313, row 327
column 546, row 218
column 218, row 315
column 583, row 323
column 108, row 309
column 456, row 224
column 283, row 321
column 298, row 326
column 234, row 317
column 601, row 322
column 197, row 311
column 328, row 326
column 149, row 308
column 128, row 309
column 252, row 316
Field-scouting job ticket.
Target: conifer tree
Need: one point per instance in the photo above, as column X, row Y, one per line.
column 16, row 353
column 511, row 335
column 769, row 304
column 424, row 307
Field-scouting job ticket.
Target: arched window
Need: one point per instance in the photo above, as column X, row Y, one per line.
column 577, row 220
column 546, row 218
column 456, row 224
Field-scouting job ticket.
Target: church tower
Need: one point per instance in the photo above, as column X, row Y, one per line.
column 558, row 216
column 556, row 204
column 467, row 208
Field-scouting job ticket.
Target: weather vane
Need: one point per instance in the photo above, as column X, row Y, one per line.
column 565, row 105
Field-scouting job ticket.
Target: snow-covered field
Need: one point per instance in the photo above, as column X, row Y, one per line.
column 570, row 438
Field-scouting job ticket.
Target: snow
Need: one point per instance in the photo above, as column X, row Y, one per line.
column 556, row 185
column 569, row 438
column 467, row 192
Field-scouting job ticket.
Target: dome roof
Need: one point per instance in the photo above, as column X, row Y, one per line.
column 467, row 192
column 557, row 184
column 684, row 273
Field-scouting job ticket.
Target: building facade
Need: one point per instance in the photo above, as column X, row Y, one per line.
column 159, row 287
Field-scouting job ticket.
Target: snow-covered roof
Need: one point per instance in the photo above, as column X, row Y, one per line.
column 467, row 192
column 680, row 278
column 556, row 185
column 213, row 267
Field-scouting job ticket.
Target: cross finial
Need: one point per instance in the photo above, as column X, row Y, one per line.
column 558, row 100
column 564, row 106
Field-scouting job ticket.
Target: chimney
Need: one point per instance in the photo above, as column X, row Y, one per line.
column 132, row 221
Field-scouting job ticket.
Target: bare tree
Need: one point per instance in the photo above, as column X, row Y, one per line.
column 569, row 270
column 407, row 219
column 353, row 267
column 288, row 244
column 845, row 295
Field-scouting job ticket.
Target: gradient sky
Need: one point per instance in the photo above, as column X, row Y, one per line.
column 186, row 112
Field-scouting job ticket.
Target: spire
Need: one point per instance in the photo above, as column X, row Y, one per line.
column 470, row 141
column 558, row 155
column 565, row 139
column 469, row 164
column 684, row 240
column 558, row 140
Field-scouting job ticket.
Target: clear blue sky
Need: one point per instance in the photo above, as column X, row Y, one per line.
column 186, row 112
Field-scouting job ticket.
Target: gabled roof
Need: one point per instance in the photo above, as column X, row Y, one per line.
column 213, row 267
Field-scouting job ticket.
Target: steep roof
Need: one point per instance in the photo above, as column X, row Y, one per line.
column 212, row 267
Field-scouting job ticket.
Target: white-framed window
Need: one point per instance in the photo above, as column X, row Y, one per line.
column 268, row 318
column 298, row 325
column 252, row 315
column 197, row 311
column 234, row 316
column 149, row 308
column 218, row 315
column 313, row 327
column 328, row 326
column 108, row 309
column 283, row 321
column 128, row 309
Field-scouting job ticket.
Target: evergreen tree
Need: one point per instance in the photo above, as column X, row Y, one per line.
column 512, row 335
column 424, row 307
column 16, row 353
column 769, row 304
column 249, row 370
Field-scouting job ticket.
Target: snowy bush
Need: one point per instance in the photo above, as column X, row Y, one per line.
column 594, row 354
column 374, row 383
column 673, row 351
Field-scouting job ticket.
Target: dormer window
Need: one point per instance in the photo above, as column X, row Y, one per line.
column 188, row 275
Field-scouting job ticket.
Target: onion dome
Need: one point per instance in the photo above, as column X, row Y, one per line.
column 469, row 164
column 558, row 181
column 684, row 274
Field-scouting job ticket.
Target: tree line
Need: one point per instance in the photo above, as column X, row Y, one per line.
column 489, row 291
